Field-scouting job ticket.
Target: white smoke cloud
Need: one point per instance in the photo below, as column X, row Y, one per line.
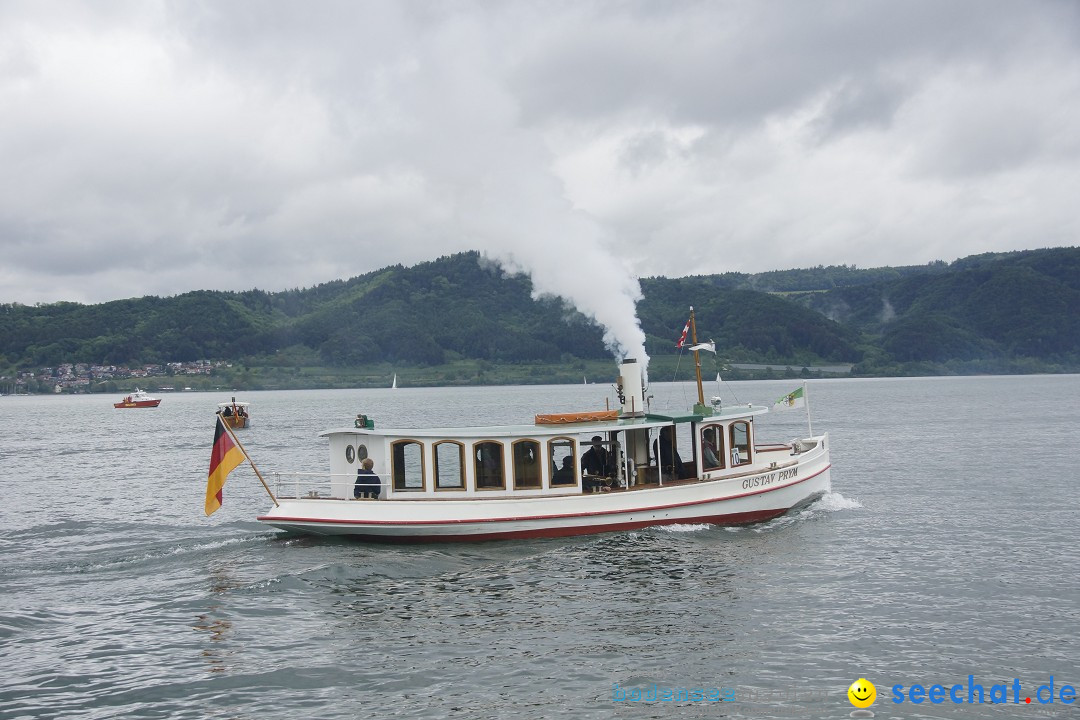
column 520, row 219
column 495, row 181
column 888, row 313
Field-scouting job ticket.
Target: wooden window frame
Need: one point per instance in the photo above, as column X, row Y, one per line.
column 721, row 452
column 536, row 456
column 393, row 467
column 476, row 465
column 749, row 442
column 563, row 439
column 461, row 464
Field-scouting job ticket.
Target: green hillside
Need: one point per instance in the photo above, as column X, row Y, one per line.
column 1019, row 310
column 459, row 319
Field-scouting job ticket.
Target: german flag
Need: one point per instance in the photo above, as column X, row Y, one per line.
column 223, row 460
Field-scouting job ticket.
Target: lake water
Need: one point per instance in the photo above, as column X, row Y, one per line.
column 947, row 548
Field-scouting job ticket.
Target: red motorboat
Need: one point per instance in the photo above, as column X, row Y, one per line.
column 138, row 399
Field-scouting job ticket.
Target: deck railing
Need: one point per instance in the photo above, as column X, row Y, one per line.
column 308, row 485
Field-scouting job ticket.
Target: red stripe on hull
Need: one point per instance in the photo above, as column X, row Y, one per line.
column 746, row 518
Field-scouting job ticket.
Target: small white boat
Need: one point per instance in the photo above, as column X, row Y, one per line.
column 544, row 479
column 235, row 414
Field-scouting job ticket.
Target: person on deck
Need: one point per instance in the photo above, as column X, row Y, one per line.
column 368, row 484
column 597, row 460
column 708, row 453
column 565, row 474
column 668, row 455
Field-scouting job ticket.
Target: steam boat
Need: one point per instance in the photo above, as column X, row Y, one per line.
column 235, row 414
column 138, row 399
column 568, row 474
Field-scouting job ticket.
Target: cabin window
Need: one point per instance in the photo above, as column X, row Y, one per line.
column 449, row 466
column 488, row 457
column 407, row 465
column 361, row 453
column 350, row 454
column 740, row 443
column 562, row 459
column 712, row 447
column 526, row 464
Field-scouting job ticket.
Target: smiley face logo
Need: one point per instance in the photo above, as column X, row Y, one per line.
column 862, row 693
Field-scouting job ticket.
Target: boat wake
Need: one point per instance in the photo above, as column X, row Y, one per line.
column 163, row 552
column 685, row 527
column 834, row 502
column 828, row 503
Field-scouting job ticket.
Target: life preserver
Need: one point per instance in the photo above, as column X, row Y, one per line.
column 563, row 418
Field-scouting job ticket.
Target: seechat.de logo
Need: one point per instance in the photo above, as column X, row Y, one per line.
column 862, row 693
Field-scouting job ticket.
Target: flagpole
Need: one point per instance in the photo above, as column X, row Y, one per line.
column 697, row 358
column 248, row 458
column 806, row 398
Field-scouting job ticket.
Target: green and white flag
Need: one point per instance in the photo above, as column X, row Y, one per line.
column 794, row 399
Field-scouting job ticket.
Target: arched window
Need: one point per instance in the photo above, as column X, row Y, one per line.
column 449, row 465
column 740, row 443
column 526, row 464
column 488, row 459
column 712, row 447
column 407, row 465
column 562, row 462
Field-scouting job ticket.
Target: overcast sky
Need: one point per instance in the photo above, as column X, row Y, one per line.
column 158, row 147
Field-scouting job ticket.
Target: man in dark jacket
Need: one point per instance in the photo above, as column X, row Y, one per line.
column 597, row 460
column 368, row 483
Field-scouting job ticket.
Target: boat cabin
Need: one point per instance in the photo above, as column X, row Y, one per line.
column 544, row 458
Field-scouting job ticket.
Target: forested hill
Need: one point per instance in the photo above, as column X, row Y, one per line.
column 1005, row 312
column 1015, row 306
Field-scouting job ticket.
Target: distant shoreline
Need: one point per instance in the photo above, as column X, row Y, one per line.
column 238, row 377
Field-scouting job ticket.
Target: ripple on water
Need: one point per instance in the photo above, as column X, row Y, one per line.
column 126, row 601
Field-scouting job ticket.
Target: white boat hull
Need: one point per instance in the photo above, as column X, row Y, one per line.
column 734, row 500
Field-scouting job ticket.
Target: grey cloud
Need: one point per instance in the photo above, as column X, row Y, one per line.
column 145, row 145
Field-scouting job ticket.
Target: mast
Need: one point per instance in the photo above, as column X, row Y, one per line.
column 806, row 398
column 697, row 358
column 247, row 457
